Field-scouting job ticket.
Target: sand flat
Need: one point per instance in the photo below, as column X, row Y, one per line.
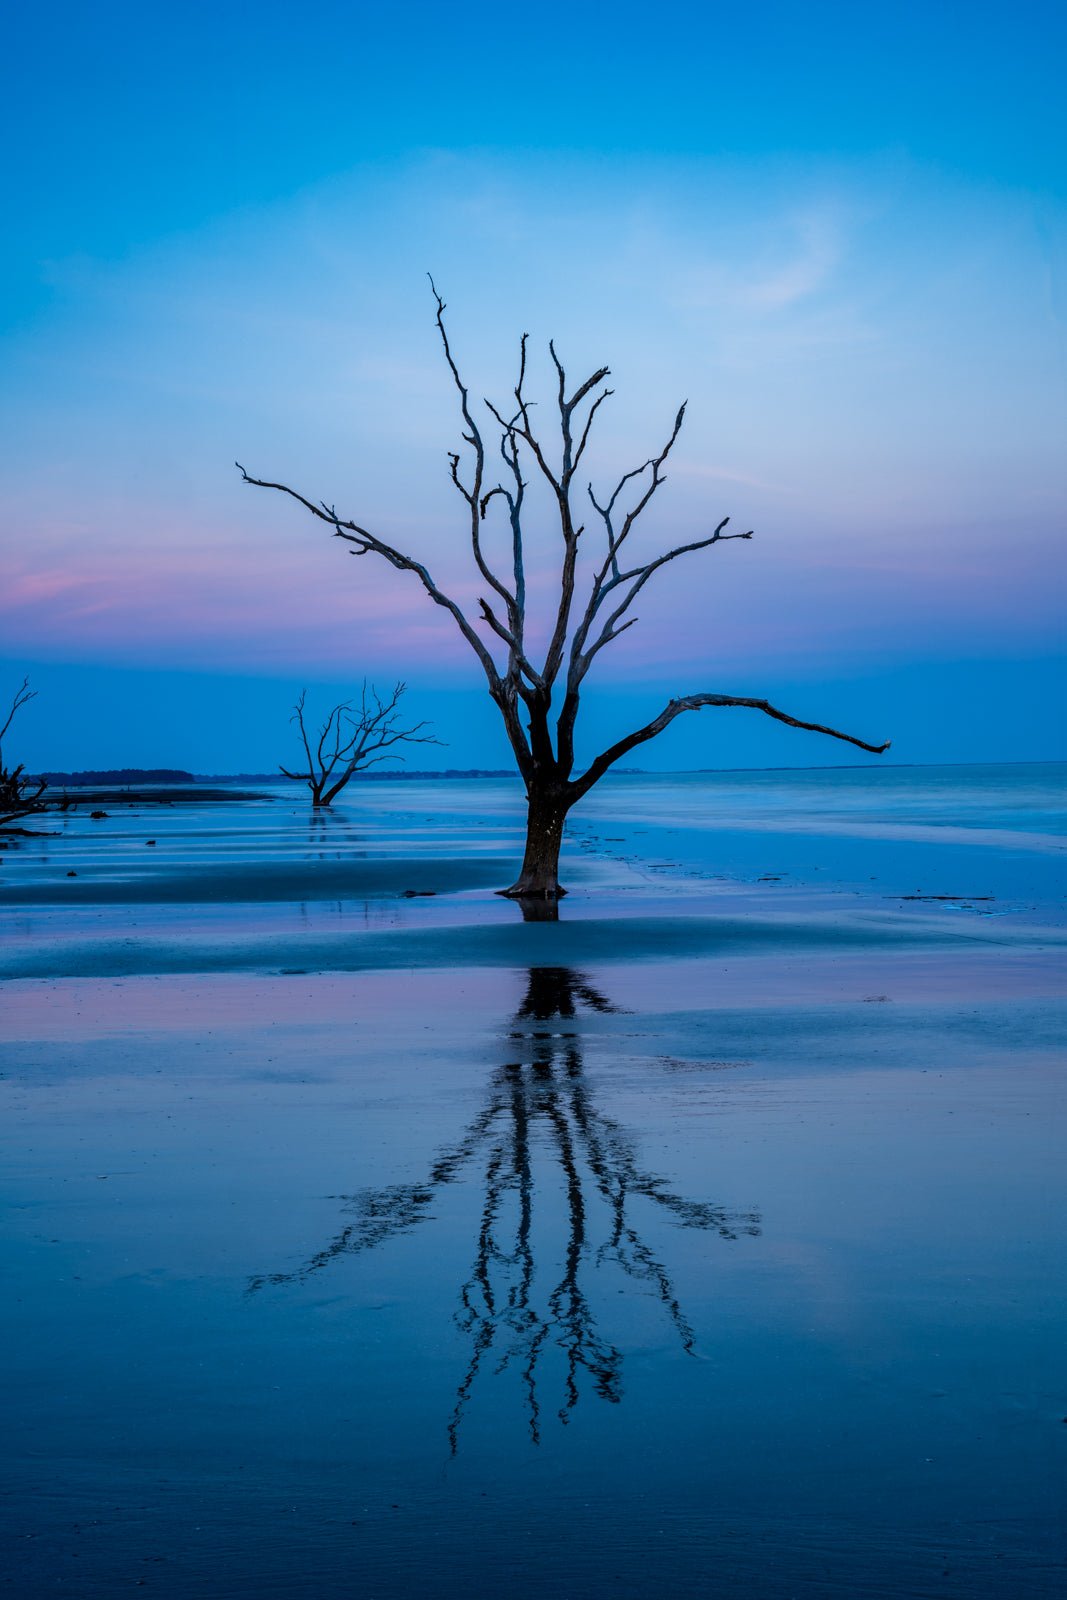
column 707, row 1242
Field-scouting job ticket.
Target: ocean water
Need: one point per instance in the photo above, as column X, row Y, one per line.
column 852, row 824
column 964, row 832
column 707, row 1242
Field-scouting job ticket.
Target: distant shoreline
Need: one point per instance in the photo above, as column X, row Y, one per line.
column 125, row 777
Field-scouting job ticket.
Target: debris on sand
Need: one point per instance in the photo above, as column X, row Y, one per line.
column 956, row 899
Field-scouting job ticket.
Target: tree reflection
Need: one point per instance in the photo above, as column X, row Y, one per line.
column 540, row 1138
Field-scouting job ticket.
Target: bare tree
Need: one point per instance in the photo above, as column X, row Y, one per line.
column 20, row 796
column 539, row 699
column 352, row 739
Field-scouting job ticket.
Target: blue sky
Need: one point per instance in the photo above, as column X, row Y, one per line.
column 838, row 231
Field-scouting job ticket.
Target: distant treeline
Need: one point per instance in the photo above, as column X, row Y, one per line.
column 360, row 777
column 117, row 775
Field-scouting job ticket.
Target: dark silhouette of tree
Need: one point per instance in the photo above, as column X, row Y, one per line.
column 516, row 1312
column 20, row 796
column 352, row 739
column 539, row 699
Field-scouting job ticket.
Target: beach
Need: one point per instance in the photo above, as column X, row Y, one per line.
column 366, row 1239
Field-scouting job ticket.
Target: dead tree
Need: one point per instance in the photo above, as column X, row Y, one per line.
column 20, row 796
column 352, row 739
column 539, row 699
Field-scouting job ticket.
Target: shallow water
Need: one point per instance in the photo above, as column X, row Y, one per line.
column 707, row 1242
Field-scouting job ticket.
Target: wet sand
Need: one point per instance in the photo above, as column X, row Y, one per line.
column 706, row 1242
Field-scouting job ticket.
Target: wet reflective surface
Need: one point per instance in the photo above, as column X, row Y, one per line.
column 523, row 1304
column 705, row 1245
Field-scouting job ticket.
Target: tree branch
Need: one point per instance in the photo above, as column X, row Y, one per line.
column 697, row 702
column 367, row 543
column 609, row 574
column 22, row 694
column 474, row 438
column 640, row 575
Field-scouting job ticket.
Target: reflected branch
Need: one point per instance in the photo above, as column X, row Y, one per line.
column 540, row 1138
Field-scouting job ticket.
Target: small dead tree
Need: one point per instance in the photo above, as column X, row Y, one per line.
column 539, row 699
column 20, row 796
column 353, row 738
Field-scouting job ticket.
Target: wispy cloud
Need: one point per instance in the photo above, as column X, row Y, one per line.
column 848, row 362
column 807, row 268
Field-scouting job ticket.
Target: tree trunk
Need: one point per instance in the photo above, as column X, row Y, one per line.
column 539, row 878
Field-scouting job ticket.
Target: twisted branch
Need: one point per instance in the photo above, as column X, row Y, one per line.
column 697, row 702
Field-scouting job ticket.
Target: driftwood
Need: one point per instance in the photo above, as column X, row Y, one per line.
column 539, row 699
